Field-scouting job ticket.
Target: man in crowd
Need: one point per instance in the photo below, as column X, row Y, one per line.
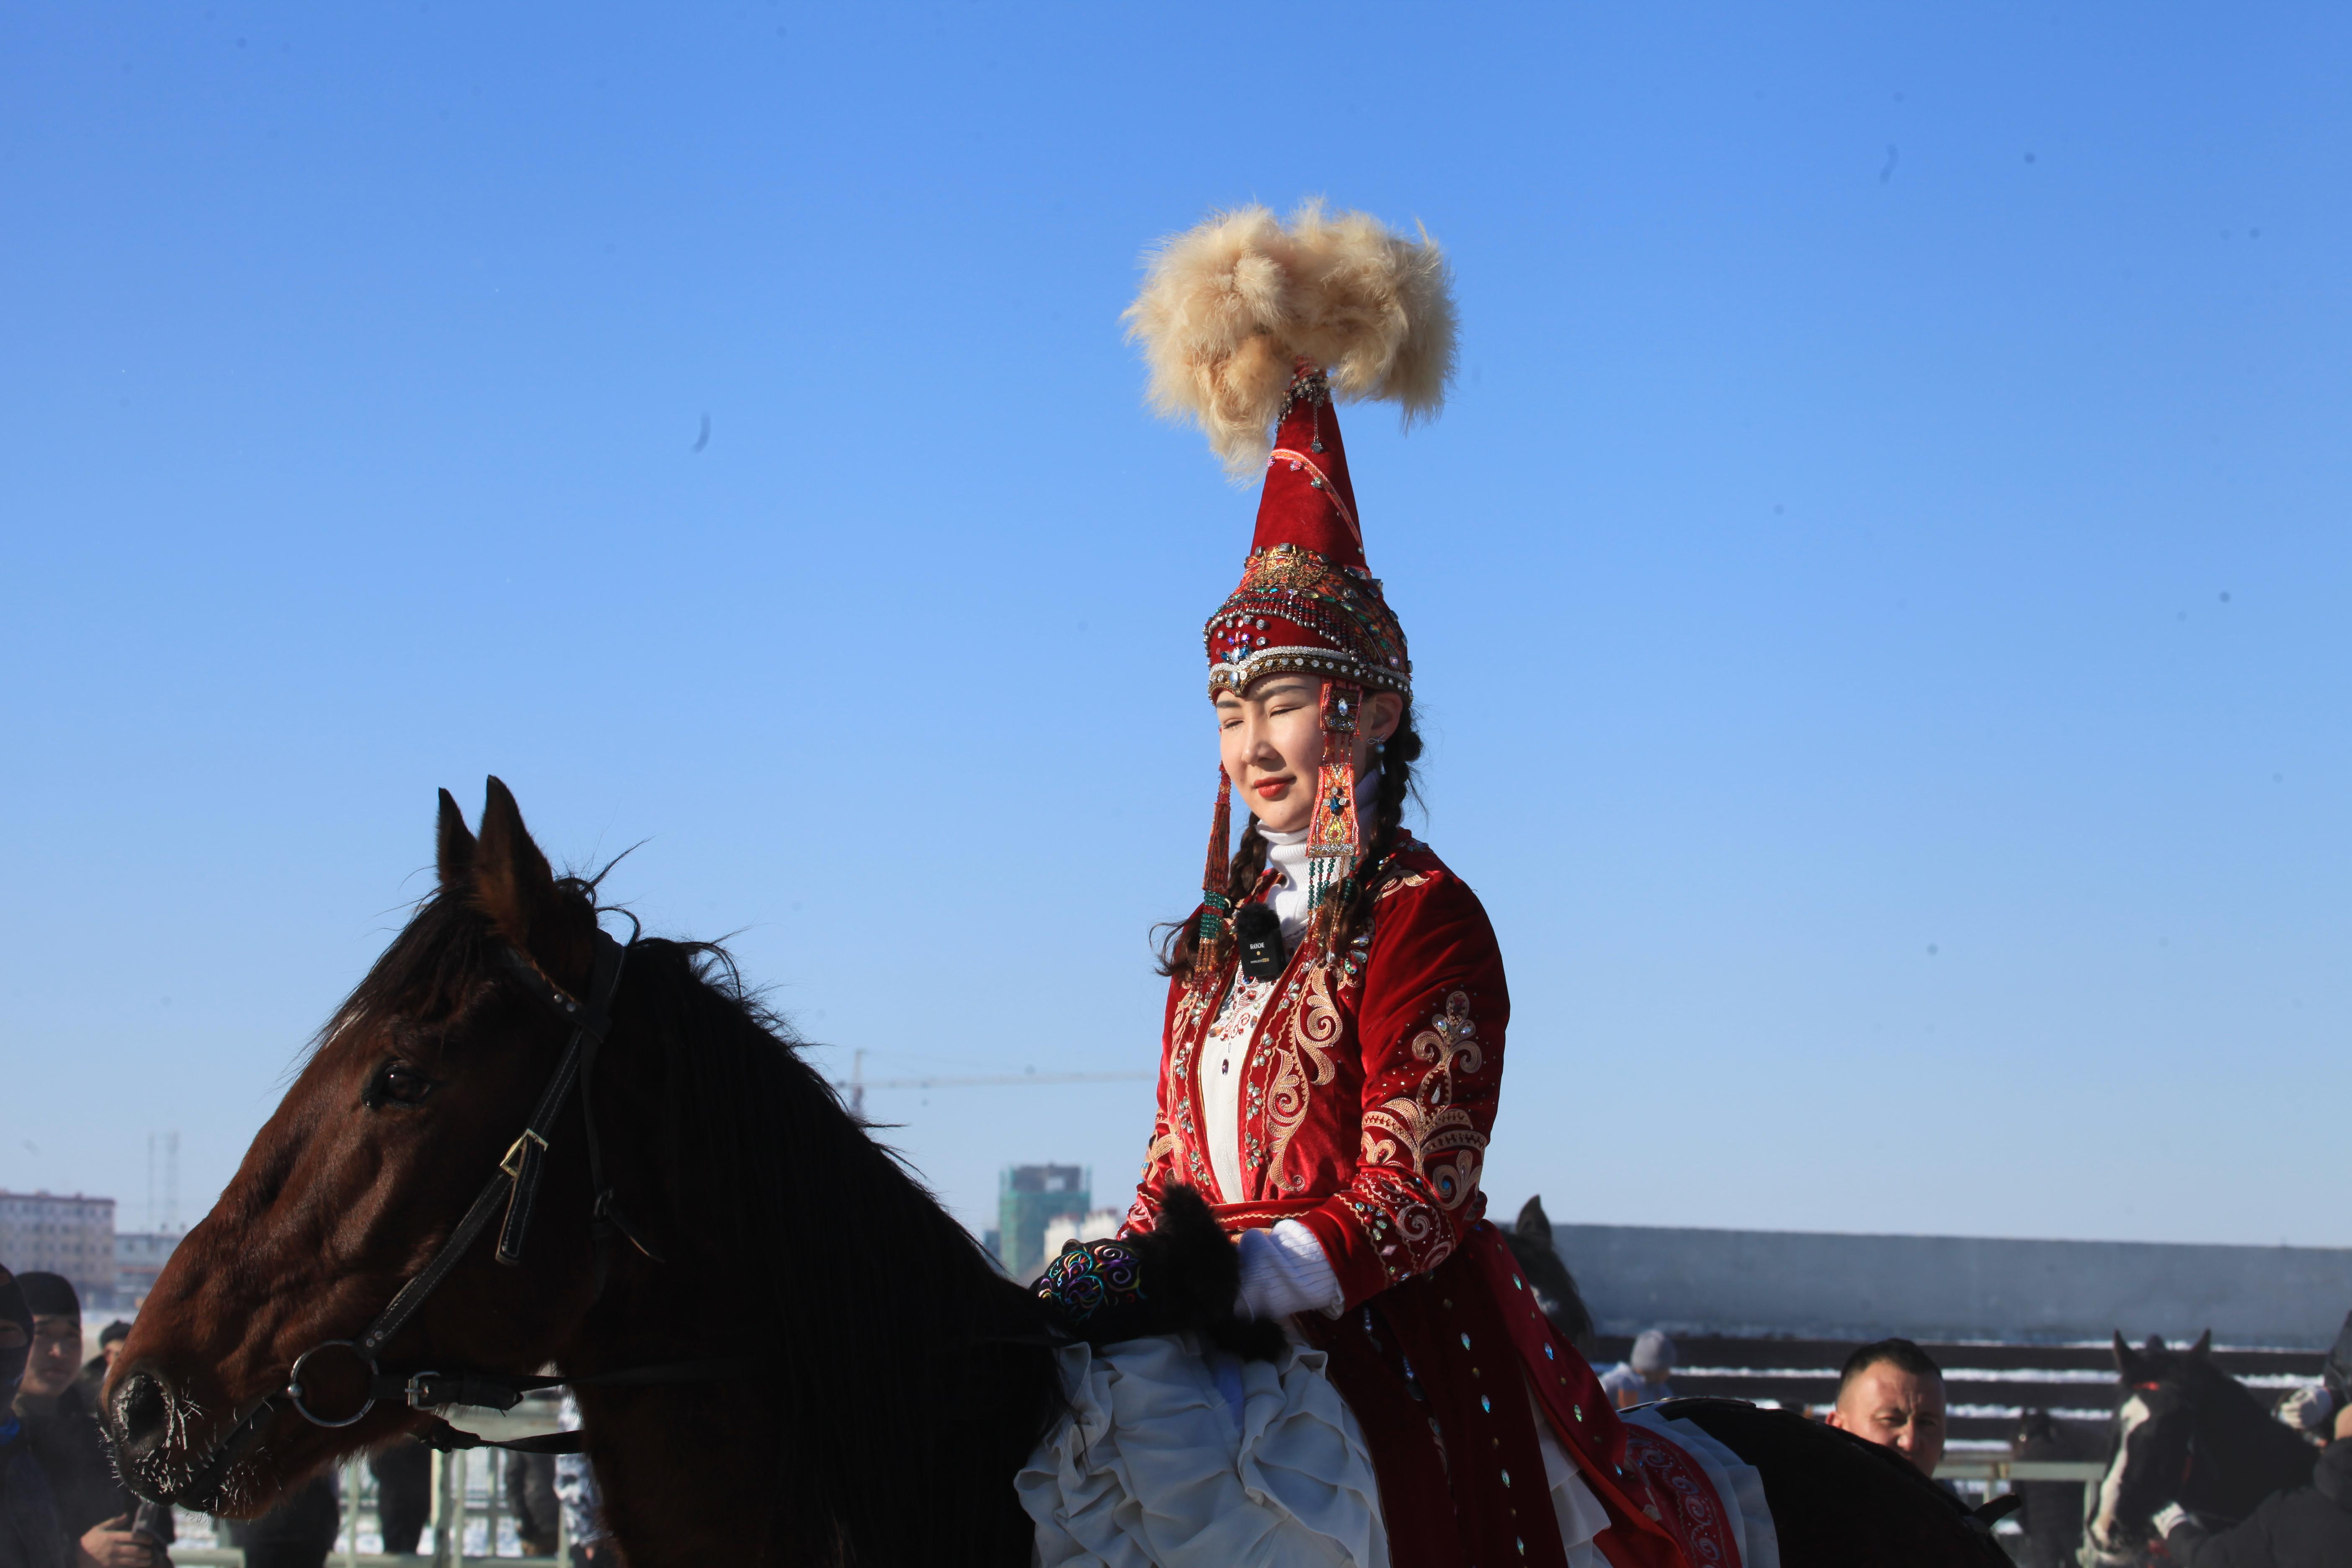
column 2309, row 1527
column 2051, row 1512
column 30, row 1535
column 61, row 1422
column 1640, row 1377
column 530, row 1498
column 403, row 1483
column 1891, row 1393
column 403, row 1492
column 94, row 1370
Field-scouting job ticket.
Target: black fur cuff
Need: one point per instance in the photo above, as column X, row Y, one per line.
column 1184, row 1275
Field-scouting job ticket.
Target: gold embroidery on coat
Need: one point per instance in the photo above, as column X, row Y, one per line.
column 1303, row 1065
column 1427, row 1124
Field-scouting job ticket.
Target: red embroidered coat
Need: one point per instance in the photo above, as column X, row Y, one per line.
column 1367, row 1092
column 1370, row 1092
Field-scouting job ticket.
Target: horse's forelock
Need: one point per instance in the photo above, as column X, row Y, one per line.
column 425, row 972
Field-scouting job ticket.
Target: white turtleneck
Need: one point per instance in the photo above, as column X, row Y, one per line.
column 1287, row 853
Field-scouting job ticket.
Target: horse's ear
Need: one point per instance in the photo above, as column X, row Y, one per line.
column 513, row 884
column 2126, row 1359
column 2204, row 1346
column 453, row 844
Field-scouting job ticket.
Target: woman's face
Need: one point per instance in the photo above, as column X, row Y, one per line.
column 1271, row 738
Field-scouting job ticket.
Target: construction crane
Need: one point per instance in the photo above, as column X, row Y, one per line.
column 854, row 1086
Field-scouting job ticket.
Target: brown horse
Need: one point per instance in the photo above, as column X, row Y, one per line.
column 888, row 1380
column 828, row 1371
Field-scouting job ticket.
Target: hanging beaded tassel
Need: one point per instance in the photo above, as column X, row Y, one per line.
column 1333, row 832
column 1216, row 905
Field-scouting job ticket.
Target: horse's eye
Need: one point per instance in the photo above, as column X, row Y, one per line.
column 396, row 1083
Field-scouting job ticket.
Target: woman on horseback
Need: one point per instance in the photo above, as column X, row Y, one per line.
column 1332, row 1051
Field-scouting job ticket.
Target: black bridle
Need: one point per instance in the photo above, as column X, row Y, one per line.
column 515, row 1187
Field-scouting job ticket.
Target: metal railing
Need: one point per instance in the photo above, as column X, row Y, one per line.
column 469, row 1489
column 1991, row 1468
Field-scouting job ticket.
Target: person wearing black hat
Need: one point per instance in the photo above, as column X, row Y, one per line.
column 94, row 1370
column 61, row 1421
column 30, row 1534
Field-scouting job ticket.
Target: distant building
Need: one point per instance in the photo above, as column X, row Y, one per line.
column 1028, row 1197
column 1095, row 1224
column 138, row 1257
column 72, row 1235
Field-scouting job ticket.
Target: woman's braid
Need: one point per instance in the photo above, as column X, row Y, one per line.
column 1395, row 758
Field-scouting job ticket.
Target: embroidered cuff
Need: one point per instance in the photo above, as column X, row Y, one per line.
column 1355, row 1256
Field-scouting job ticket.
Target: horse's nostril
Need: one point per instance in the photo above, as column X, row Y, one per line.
column 141, row 1407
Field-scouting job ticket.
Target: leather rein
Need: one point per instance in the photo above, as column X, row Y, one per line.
column 515, row 1187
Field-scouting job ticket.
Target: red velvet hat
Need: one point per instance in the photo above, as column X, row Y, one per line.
column 1306, row 601
column 1249, row 325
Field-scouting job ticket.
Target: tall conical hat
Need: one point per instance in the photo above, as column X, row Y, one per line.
column 1249, row 326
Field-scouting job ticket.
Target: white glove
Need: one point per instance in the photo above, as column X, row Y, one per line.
column 1284, row 1272
column 2309, row 1410
column 2172, row 1514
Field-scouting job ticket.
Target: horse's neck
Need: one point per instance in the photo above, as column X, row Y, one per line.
column 827, row 1445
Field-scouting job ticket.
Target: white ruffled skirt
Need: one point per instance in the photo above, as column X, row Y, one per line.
column 1174, row 1457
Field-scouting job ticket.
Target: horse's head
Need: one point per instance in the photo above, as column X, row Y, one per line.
column 1531, row 1245
column 415, row 1092
column 2149, row 1453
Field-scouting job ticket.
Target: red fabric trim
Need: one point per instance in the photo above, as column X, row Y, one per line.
column 1693, row 1514
column 1582, row 1417
column 1235, row 1217
column 1580, row 1410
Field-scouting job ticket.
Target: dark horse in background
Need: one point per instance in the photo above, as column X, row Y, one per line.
column 2187, row 1432
column 1536, row 1250
column 860, row 1384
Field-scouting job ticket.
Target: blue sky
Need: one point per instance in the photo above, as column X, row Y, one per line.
column 1877, row 592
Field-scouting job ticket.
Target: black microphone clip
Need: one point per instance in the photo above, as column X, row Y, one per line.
column 1258, row 932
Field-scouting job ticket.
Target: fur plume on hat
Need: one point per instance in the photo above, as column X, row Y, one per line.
column 1229, row 308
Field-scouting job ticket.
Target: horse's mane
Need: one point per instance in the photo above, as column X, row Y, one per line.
column 898, row 1353
column 899, row 1347
column 2208, row 1388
